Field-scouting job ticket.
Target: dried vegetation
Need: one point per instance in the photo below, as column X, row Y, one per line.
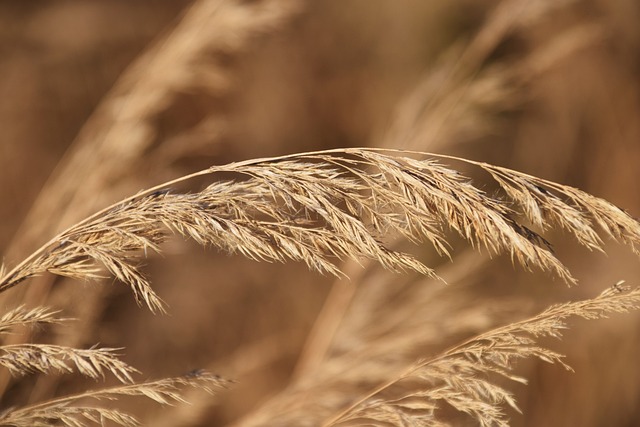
column 388, row 344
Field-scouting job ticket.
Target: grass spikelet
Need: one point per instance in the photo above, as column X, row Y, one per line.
column 320, row 208
column 71, row 411
column 21, row 316
column 546, row 203
column 461, row 376
column 326, row 206
column 23, row 359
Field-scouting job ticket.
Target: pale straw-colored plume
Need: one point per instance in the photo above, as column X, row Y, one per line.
column 464, row 376
column 95, row 363
column 387, row 349
column 325, row 206
column 74, row 411
column 21, row 316
column 319, row 208
column 463, row 385
column 23, row 359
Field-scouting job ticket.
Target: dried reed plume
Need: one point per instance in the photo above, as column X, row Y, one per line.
column 21, row 359
column 327, row 205
column 70, row 411
column 94, row 363
column 319, row 208
column 21, row 316
column 464, row 376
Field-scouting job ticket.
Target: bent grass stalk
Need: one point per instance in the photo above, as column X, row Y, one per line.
column 457, row 371
column 319, row 208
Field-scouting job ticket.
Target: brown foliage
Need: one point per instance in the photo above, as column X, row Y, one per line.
column 543, row 87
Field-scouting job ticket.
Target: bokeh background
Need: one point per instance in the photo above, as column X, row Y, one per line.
column 99, row 99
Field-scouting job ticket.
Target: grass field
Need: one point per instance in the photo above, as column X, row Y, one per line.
column 357, row 285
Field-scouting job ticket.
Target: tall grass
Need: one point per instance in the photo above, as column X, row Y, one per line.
column 388, row 227
column 319, row 208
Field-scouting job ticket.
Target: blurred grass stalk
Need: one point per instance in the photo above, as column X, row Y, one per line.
column 521, row 80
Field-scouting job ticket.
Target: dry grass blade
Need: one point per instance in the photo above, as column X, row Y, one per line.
column 542, row 206
column 21, row 316
column 73, row 417
column 22, row 359
column 546, row 203
column 457, row 377
column 69, row 410
column 324, row 206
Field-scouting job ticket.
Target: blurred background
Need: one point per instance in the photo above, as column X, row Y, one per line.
column 101, row 99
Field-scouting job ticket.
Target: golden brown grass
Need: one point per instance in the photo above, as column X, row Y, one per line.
column 70, row 410
column 458, row 376
column 318, row 208
column 542, row 87
column 327, row 205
